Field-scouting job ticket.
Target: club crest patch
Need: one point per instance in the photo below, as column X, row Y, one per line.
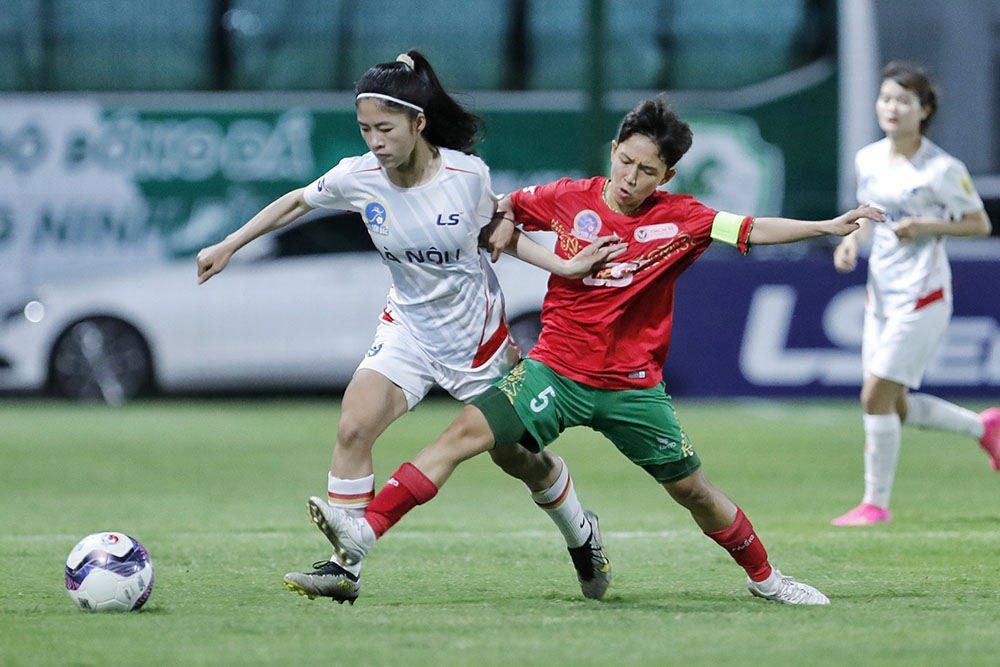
column 376, row 215
column 666, row 230
column 586, row 225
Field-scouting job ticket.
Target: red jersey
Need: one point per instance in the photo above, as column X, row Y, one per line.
column 612, row 331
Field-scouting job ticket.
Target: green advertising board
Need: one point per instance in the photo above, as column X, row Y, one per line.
column 94, row 185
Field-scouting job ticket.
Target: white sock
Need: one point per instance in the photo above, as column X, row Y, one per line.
column 926, row 411
column 561, row 504
column 351, row 496
column 882, row 440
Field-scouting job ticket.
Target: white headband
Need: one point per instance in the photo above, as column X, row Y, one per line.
column 390, row 98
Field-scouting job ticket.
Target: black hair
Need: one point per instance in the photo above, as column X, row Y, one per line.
column 656, row 120
column 448, row 124
column 915, row 79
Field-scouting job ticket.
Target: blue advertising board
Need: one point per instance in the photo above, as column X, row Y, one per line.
column 790, row 328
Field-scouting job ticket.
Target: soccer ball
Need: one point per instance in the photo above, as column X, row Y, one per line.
column 109, row 572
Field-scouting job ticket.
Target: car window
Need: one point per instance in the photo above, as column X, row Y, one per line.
column 323, row 234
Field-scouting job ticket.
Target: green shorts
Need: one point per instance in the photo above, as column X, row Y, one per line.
column 533, row 404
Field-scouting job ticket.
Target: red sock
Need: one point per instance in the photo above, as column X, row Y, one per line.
column 407, row 488
column 744, row 546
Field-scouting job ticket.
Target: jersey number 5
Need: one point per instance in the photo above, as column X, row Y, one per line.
column 541, row 401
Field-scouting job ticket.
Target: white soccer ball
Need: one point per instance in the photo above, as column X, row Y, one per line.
column 109, row 572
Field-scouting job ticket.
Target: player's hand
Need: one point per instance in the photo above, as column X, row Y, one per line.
column 845, row 256
column 593, row 257
column 498, row 234
column 909, row 228
column 212, row 260
column 845, row 223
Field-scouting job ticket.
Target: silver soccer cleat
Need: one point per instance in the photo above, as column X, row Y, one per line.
column 352, row 538
column 328, row 579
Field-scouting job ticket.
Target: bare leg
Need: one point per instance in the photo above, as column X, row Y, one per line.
column 710, row 508
column 371, row 403
column 883, row 397
column 467, row 436
column 538, row 471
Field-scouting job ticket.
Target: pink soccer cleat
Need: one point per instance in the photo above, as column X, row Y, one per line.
column 991, row 435
column 863, row 515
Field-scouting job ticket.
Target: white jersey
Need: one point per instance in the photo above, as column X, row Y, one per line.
column 444, row 291
column 903, row 276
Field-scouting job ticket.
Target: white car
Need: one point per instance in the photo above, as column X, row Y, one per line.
column 295, row 309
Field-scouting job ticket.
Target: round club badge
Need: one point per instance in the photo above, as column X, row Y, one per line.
column 376, row 215
column 586, row 225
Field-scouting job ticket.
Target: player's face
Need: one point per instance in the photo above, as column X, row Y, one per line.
column 390, row 135
column 636, row 171
column 898, row 109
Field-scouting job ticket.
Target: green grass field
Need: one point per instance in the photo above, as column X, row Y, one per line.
column 216, row 491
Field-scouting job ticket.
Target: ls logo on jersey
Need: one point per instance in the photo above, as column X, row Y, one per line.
column 376, row 215
column 666, row 230
column 586, row 225
column 449, row 219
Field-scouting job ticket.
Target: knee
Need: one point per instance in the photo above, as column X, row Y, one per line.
column 868, row 398
column 691, row 492
column 518, row 462
column 508, row 459
column 354, row 433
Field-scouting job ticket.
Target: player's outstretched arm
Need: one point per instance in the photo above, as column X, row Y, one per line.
column 772, row 231
column 282, row 211
column 502, row 235
column 590, row 259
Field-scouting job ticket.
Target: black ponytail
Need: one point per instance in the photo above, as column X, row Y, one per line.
column 448, row 124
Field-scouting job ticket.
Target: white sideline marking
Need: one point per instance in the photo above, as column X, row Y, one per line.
column 538, row 534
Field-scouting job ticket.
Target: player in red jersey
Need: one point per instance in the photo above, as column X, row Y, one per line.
column 604, row 341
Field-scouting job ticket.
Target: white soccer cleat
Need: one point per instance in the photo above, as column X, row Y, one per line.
column 786, row 590
column 352, row 538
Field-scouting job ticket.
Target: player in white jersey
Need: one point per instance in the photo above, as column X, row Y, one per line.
column 427, row 202
column 927, row 195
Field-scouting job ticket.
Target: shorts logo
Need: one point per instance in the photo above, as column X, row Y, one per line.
column 374, row 349
column 666, row 230
column 376, row 215
column 666, row 443
column 586, row 225
column 320, row 183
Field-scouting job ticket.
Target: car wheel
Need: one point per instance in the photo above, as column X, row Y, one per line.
column 525, row 329
column 101, row 359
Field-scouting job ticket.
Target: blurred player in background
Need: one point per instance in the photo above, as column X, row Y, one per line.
column 927, row 195
column 426, row 200
column 599, row 360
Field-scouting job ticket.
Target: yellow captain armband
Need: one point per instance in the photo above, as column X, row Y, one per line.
column 733, row 230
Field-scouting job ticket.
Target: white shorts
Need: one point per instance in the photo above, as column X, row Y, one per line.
column 899, row 347
column 396, row 355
